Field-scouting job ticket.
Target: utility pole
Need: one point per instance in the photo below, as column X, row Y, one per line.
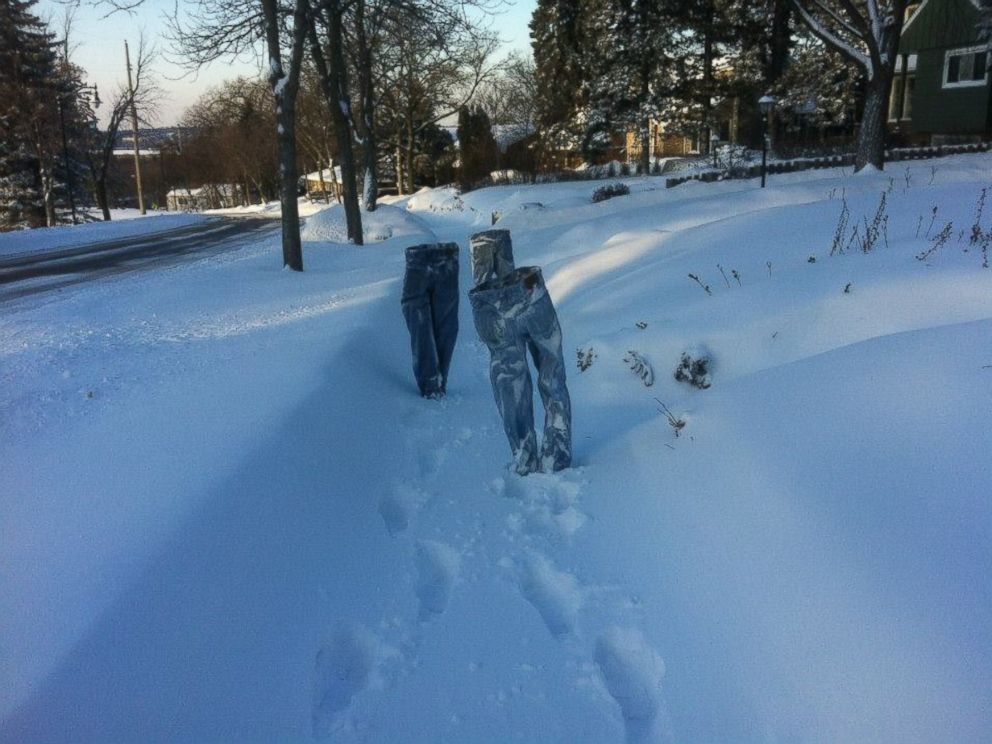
column 134, row 127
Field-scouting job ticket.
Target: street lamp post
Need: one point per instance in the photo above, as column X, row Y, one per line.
column 766, row 103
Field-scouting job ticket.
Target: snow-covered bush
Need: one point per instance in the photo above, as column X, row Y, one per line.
column 608, row 192
column 694, row 368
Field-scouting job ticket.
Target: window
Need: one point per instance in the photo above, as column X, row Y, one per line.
column 901, row 99
column 966, row 67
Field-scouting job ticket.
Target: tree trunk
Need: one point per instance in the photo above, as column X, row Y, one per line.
column 409, row 154
column 370, row 182
column 334, row 83
column 780, row 42
column 645, row 134
column 874, row 121
column 285, row 85
column 400, row 174
column 100, row 187
column 871, row 136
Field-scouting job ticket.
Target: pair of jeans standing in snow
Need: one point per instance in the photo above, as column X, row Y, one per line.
column 430, row 306
column 513, row 315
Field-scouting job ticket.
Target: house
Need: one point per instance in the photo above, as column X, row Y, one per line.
column 324, row 184
column 942, row 91
column 211, row 196
column 661, row 144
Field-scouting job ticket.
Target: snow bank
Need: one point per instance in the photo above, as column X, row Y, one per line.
column 385, row 223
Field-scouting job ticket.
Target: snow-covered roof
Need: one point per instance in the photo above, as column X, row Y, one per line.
column 325, row 174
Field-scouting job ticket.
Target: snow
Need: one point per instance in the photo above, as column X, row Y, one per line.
column 226, row 515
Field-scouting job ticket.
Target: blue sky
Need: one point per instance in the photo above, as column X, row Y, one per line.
column 98, row 42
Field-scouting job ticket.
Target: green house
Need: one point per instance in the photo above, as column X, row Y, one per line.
column 942, row 91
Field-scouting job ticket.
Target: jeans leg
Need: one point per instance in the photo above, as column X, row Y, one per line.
column 512, row 387
column 416, row 305
column 545, row 344
column 444, row 315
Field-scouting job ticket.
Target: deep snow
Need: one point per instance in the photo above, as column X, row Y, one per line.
column 225, row 515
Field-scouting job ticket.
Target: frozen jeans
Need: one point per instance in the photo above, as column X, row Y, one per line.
column 514, row 315
column 492, row 255
column 430, row 306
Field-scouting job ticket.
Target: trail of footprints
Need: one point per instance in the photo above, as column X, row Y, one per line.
column 545, row 511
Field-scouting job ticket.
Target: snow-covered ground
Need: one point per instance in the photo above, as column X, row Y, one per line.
column 226, row 515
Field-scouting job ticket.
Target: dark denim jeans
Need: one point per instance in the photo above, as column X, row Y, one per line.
column 514, row 315
column 430, row 306
column 492, row 255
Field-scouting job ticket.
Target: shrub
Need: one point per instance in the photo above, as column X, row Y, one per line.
column 694, row 368
column 608, row 192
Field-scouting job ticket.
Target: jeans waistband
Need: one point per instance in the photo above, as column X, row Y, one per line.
column 428, row 253
column 519, row 284
column 490, row 236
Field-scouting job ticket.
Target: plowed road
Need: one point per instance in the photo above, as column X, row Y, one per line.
column 35, row 273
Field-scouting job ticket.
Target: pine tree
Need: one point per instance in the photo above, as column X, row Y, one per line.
column 28, row 92
column 477, row 145
column 556, row 31
column 633, row 70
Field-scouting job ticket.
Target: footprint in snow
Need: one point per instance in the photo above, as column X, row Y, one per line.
column 437, row 569
column 555, row 594
column 633, row 672
column 398, row 506
column 434, row 448
column 344, row 668
column 549, row 502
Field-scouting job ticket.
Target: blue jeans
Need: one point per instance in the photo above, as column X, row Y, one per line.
column 430, row 306
column 492, row 255
column 515, row 315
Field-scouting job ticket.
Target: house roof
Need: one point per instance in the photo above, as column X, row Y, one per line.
column 940, row 24
column 326, row 173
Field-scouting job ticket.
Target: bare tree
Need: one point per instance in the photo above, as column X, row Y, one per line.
column 142, row 95
column 510, row 99
column 233, row 138
column 210, row 30
column 432, row 63
column 866, row 34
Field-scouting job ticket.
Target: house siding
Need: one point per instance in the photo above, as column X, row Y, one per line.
column 946, row 110
column 938, row 26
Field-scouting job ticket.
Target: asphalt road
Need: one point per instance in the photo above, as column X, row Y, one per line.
column 45, row 272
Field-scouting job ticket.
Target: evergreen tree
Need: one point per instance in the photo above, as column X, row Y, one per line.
column 556, row 31
column 28, row 90
column 634, row 74
column 477, row 145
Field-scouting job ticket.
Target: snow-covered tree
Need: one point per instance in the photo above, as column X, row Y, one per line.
column 29, row 86
column 556, row 32
column 866, row 33
column 633, row 67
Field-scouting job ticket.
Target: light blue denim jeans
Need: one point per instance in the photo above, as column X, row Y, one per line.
column 430, row 306
column 514, row 315
column 492, row 255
